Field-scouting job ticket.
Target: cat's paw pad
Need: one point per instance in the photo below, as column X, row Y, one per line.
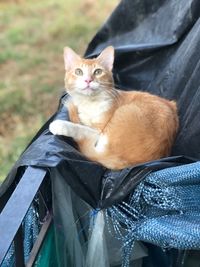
column 57, row 127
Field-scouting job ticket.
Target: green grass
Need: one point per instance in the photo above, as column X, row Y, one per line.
column 32, row 37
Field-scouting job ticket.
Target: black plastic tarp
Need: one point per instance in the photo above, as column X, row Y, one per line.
column 156, row 50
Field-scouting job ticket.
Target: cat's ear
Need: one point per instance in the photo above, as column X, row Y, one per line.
column 70, row 58
column 106, row 58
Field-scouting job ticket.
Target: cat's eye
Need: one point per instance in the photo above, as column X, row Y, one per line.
column 98, row 72
column 78, row 72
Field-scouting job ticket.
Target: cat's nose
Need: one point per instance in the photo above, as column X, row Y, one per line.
column 88, row 81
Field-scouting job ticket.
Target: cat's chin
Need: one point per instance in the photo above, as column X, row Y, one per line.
column 88, row 91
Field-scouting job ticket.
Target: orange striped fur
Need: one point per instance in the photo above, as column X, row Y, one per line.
column 113, row 127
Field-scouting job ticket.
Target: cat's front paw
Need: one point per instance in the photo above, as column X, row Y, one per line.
column 57, row 127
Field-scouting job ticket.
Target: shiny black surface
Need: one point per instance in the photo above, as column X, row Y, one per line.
column 157, row 50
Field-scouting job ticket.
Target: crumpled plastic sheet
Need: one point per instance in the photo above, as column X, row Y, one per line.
column 157, row 50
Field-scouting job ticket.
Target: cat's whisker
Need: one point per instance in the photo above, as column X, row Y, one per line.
column 114, row 84
column 106, row 82
column 113, row 94
column 109, row 88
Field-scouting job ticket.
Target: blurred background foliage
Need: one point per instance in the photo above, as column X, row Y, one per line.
column 32, row 36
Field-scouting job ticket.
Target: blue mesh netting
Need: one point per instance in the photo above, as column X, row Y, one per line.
column 31, row 228
column 164, row 210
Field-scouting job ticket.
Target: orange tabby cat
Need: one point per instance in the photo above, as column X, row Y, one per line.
column 113, row 127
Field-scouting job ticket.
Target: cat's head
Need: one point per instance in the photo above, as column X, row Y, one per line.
column 88, row 77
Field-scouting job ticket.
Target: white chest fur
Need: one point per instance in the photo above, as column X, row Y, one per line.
column 101, row 144
column 92, row 111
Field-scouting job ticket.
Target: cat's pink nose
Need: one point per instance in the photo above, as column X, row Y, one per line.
column 88, row 81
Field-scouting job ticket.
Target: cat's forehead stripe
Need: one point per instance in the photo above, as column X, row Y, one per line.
column 91, row 63
column 87, row 66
